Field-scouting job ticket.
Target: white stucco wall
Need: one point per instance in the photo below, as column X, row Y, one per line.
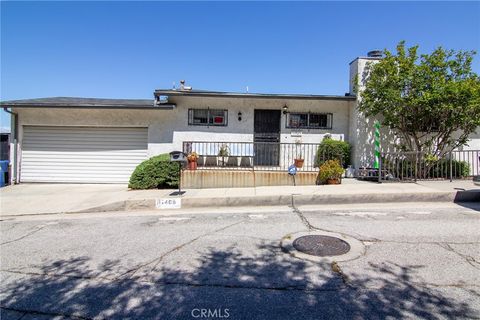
column 243, row 130
column 361, row 129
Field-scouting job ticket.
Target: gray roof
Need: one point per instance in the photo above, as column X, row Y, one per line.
column 72, row 102
column 219, row 94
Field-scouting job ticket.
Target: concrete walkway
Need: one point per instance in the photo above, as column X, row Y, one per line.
column 26, row 199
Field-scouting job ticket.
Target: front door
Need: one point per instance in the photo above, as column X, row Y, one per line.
column 266, row 135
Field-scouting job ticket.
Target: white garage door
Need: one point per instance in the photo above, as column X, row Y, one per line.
column 81, row 154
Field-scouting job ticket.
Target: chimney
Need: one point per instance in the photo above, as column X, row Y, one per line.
column 375, row 54
column 357, row 68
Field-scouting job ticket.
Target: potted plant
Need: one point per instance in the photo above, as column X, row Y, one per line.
column 330, row 172
column 192, row 158
column 223, row 154
column 298, row 161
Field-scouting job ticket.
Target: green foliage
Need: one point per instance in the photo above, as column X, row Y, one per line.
column 330, row 169
column 426, row 168
column 330, row 149
column 460, row 169
column 224, row 151
column 425, row 99
column 155, row 173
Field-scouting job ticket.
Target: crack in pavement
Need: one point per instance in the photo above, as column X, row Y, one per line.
column 37, row 228
column 308, row 224
column 469, row 259
column 302, row 217
column 157, row 261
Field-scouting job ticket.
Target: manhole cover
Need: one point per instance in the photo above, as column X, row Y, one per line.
column 321, row 246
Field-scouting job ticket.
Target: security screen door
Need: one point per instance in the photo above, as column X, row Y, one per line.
column 267, row 137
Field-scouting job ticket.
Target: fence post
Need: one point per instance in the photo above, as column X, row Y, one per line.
column 380, row 168
column 416, row 167
column 451, row 166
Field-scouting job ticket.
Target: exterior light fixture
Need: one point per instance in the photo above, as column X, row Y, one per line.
column 285, row 109
column 239, row 116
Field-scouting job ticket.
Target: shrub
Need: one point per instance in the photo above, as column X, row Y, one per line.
column 460, row 169
column 426, row 169
column 330, row 169
column 155, row 173
column 330, row 149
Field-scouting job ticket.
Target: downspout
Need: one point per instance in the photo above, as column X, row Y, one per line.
column 15, row 143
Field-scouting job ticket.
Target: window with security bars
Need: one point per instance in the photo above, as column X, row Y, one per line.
column 207, row 117
column 308, row 120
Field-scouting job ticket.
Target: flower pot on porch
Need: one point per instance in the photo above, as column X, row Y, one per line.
column 299, row 163
column 192, row 165
column 222, row 161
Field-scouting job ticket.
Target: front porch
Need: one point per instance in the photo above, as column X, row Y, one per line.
column 250, row 164
column 254, row 156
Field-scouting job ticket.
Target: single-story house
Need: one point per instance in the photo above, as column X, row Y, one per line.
column 88, row 140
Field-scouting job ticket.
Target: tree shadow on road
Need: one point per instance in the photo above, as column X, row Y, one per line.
column 226, row 282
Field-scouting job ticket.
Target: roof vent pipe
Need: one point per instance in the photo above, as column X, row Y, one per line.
column 183, row 87
column 375, row 54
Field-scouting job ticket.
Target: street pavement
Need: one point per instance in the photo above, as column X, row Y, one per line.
column 421, row 261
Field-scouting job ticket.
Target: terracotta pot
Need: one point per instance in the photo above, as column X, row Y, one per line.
column 333, row 181
column 192, row 165
column 299, row 163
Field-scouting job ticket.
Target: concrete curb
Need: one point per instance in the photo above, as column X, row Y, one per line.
column 298, row 200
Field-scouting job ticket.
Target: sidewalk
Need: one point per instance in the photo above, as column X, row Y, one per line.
column 68, row 198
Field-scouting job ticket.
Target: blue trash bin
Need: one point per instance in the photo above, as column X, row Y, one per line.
column 3, row 171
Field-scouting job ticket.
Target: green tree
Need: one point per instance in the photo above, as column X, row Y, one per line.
column 431, row 101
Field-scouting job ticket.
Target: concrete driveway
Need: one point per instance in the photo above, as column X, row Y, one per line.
column 39, row 198
column 421, row 261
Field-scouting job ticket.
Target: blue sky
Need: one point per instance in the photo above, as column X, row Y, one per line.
column 128, row 49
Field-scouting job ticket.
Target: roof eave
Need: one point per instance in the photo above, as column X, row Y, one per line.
column 168, row 106
column 251, row 95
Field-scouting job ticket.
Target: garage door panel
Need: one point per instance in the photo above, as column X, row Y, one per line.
column 87, row 154
column 93, row 139
column 81, row 154
column 83, row 148
column 48, row 161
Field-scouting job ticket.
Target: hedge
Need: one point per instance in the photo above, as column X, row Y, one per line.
column 460, row 169
column 330, row 149
column 155, row 173
column 439, row 169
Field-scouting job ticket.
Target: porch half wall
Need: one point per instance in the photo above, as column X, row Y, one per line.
column 202, row 179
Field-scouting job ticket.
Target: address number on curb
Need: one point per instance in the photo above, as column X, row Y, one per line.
column 168, row 203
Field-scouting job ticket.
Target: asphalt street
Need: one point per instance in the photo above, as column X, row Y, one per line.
column 420, row 261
